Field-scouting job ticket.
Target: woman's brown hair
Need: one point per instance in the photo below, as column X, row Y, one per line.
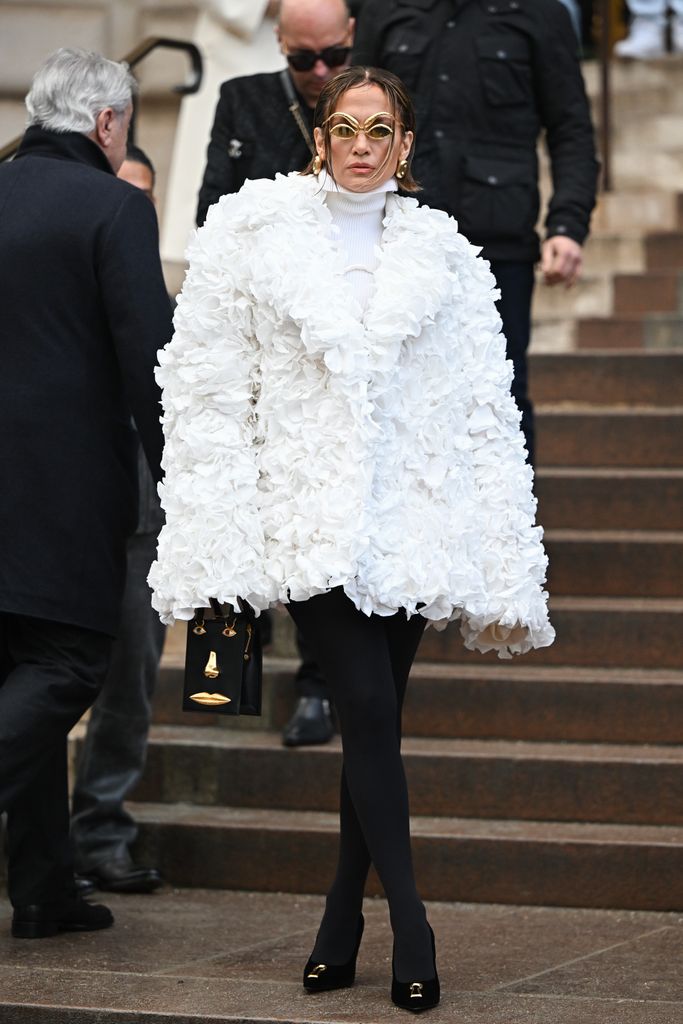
column 401, row 106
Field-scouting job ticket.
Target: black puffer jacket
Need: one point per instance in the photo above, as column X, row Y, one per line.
column 487, row 77
column 254, row 135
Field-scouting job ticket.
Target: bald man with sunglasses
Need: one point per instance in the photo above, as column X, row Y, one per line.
column 264, row 123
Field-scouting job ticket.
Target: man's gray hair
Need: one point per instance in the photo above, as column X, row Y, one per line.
column 74, row 86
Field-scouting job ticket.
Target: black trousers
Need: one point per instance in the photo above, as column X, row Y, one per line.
column 366, row 661
column 50, row 673
column 515, row 278
column 113, row 755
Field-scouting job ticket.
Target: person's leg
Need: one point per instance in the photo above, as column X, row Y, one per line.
column 354, row 858
column 40, row 868
column 353, row 652
column 113, row 755
column 516, row 282
column 51, row 674
column 311, row 720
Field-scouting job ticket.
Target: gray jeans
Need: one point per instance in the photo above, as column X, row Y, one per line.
column 113, row 755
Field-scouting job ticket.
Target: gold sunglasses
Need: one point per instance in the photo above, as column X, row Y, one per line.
column 374, row 127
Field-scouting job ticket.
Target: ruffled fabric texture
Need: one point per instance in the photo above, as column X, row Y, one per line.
column 309, row 447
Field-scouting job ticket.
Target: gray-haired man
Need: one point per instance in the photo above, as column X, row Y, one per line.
column 84, row 312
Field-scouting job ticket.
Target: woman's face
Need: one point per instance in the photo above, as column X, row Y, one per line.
column 365, row 148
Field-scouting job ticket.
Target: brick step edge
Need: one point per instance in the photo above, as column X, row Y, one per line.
column 537, row 863
column 463, row 778
column 485, row 701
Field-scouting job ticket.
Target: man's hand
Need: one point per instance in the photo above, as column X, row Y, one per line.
column 561, row 260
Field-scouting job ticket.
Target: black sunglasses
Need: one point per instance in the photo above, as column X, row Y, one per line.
column 305, row 60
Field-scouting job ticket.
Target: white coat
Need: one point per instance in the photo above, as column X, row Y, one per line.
column 309, row 446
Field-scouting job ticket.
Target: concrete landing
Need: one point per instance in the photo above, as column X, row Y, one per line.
column 183, row 956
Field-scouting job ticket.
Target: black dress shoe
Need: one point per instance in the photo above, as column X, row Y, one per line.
column 416, row 995
column 122, row 875
column 39, row 920
column 84, row 886
column 311, row 723
column 325, row 977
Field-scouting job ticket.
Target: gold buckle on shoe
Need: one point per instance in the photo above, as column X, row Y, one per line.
column 416, row 990
column 317, row 971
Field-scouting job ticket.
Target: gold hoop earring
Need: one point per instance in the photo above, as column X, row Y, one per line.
column 402, row 169
column 317, row 165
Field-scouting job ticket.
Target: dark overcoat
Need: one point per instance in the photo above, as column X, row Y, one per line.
column 488, row 77
column 84, row 311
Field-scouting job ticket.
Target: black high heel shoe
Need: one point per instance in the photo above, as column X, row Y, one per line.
column 325, row 977
column 416, row 995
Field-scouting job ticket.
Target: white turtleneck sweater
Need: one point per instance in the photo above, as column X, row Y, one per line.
column 357, row 218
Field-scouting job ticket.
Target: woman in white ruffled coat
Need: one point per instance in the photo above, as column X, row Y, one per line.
column 340, row 436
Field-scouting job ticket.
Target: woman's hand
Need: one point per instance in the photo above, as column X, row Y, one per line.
column 497, row 634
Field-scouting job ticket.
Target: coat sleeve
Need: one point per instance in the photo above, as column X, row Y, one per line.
column 211, row 545
column 138, row 311
column 566, row 117
column 507, row 608
column 219, row 178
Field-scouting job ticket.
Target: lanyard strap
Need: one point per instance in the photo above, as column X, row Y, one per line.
column 295, row 110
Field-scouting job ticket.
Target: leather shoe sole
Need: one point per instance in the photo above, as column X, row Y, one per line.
column 132, row 880
column 42, row 920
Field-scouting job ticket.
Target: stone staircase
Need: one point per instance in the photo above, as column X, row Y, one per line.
column 554, row 779
column 557, row 778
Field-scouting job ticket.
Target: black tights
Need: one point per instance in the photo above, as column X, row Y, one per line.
column 366, row 661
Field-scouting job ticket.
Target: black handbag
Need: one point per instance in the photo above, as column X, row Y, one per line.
column 223, row 668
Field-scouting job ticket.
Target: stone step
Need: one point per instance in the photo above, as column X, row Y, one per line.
column 614, row 253
column 635, row 106
column 658, row 133
column 651, row 292
column 648, row 331
column 462, row 778
column 662, row 170
column 483, row 701
column 604, row 499
column 553, row 335
column 614, row 563
column 599, row 632
column 552, row 863
column 663, row 250
column 590, row 296
column 633, row 210
column 634, row 79
column 603, row 377
column 651, row 331
column 606, row 436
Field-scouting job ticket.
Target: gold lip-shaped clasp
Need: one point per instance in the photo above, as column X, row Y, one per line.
column 210, row 699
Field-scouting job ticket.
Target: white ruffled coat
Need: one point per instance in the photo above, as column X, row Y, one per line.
column 309, row 446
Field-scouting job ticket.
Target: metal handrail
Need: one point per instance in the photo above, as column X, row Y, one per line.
column 136, row 55
column 606, row 93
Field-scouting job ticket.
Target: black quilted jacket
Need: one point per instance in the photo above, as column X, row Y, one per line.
column 254, row 135
column 488, row 76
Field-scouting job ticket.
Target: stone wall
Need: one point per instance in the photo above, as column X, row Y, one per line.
column 31, row 29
